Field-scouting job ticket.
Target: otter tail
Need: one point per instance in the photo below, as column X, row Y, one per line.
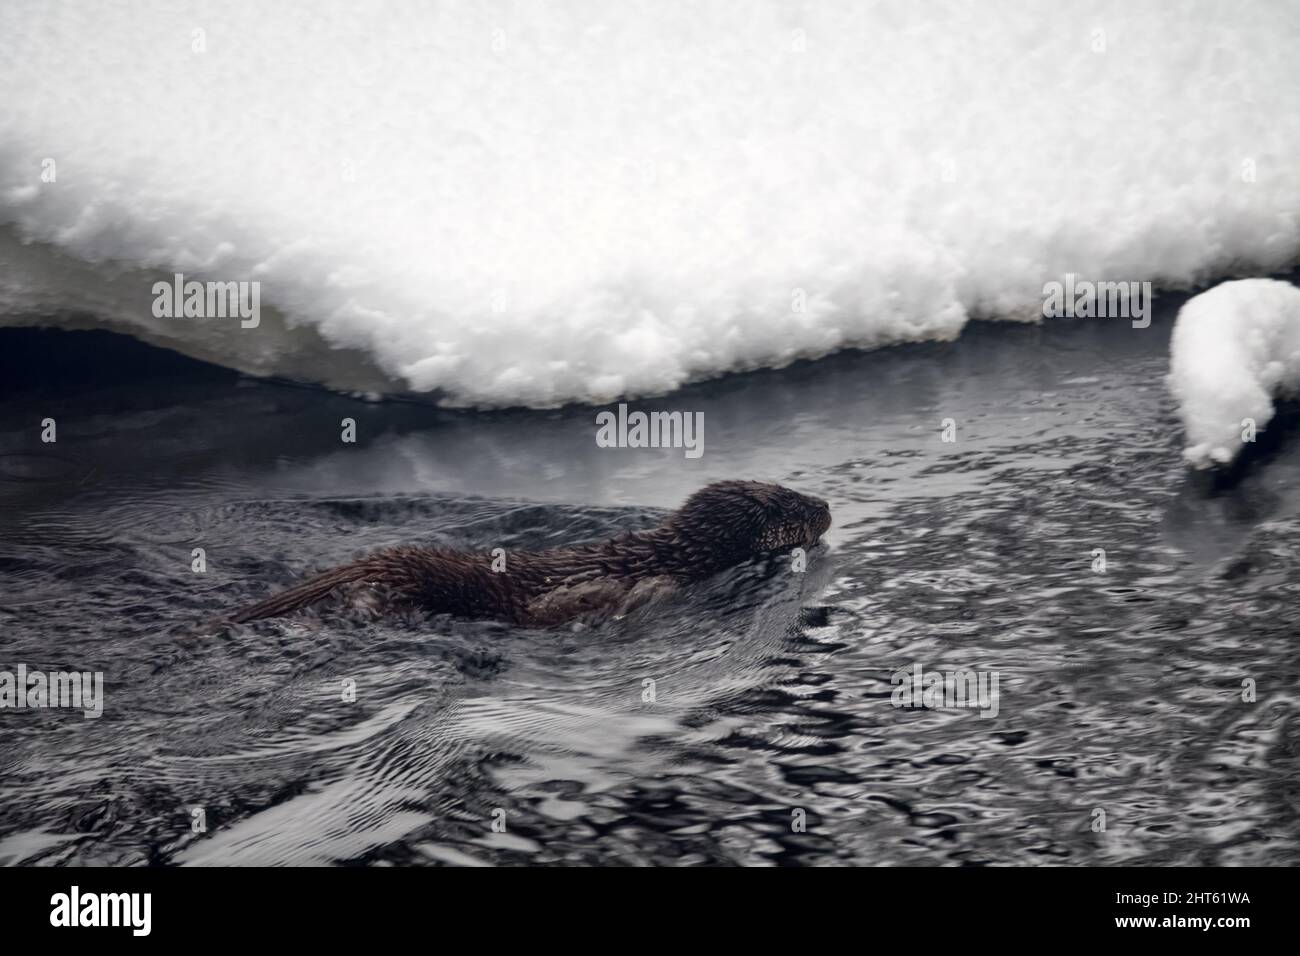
column 300, row 595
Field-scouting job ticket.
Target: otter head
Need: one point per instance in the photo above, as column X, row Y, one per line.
column 729, row 522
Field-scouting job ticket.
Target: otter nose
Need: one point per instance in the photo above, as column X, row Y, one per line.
column 823, row 520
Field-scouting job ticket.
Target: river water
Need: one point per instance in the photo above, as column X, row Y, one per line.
column 748, row 721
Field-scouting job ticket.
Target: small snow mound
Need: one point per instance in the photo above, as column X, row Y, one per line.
column 1234, row 349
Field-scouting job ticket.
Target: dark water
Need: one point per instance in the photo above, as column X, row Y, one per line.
column 1121, row 691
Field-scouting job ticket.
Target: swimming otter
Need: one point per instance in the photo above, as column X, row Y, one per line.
column 721, row 525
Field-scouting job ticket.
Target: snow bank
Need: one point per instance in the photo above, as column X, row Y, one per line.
column 534, row 203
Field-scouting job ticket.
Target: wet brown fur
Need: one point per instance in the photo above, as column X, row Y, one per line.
column 722, row 525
